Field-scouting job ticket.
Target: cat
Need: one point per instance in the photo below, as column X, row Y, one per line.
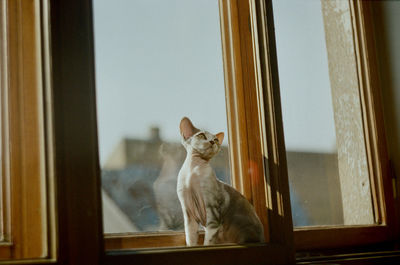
column 225, row 214
column 169, row 210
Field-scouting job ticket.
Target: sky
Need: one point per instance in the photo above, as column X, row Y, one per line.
column 304, row 76
column 157, row 61
column 160, row 60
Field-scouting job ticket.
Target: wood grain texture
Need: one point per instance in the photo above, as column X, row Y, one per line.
column 147, row 240
column 275, row 154
column 259, row 82
column 27, row 201
column 243, row 106
column 233, row 76
column 5, row 229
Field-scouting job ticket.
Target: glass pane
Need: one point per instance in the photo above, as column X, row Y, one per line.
column 156, row 62
column 328, row 171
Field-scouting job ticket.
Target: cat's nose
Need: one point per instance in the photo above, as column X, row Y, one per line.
column 211, row 142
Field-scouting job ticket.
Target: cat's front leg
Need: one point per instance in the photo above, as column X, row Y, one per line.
column 211, row 234
column 212, row 226
column 191, row 230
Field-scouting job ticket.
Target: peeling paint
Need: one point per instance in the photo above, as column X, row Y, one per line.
column 352, row 160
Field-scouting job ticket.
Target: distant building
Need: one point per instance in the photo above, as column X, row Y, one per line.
column 140, row 177
column 115, row 220
column 147, row 152
column 136, row 168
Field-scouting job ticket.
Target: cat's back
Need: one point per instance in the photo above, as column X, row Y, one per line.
column 241, row 222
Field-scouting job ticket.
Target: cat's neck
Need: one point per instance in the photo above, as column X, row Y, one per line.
column 196, row 159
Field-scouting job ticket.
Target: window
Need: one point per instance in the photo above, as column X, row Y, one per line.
column 168, row 66
column 324, row 139
column 254, row 121
column 327, row 159
column 48, row 113
column 348, row 163
column 244, row 105
column 76, row 142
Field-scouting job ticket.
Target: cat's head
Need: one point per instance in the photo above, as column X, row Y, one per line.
column 199, row 142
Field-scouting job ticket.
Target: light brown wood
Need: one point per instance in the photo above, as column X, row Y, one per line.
column 234, row 93
column 146, row 240
column 26, row 229
column 5, row 173
column 27, row 178
column 48, row 121
column 277, row 179
column 245, row 127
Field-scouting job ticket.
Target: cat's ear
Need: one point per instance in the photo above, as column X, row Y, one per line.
column 187, row 128
column 220, row 137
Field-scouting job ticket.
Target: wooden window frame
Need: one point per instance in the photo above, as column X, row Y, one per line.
column 249, row 51
column 248, row 145
column 75, row 124
column 317, row 238
column 68, row 140
column 27, row 179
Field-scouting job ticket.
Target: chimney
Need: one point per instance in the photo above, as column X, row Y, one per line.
column 155, row 134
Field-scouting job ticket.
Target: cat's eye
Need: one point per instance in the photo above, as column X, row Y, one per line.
column 202, row 136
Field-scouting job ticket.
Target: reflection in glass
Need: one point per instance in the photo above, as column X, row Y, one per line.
column 156, row 61
column 327, row 165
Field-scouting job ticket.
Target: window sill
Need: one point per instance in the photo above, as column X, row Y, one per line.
column 221, row 254
column 382, row 257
